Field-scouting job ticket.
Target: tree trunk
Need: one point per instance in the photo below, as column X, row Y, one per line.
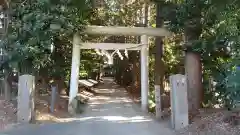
column 159, row 66
column 7, row 88
column 193, row 70
column 193, row 67
column 135, row 73
column 26, row 66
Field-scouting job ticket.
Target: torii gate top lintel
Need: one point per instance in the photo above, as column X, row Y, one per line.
column 127, row 31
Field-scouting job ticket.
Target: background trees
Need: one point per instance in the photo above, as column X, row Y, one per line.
column 206, row 34
column 206, row 40
column 40, row 35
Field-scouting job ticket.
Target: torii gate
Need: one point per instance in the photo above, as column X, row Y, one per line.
column 144, row 32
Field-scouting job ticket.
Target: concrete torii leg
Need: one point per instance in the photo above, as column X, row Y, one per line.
column 144, row 73
column 72, row 104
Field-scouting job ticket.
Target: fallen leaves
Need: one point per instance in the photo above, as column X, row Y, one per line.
column 211, row 124
column 8, row 114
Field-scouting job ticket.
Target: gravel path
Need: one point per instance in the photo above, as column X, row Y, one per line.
column 111, row 112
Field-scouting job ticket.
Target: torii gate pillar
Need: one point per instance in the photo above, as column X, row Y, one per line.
column 144, row 73
column 72, row 104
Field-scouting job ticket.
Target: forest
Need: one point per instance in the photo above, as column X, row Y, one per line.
column 204, row 45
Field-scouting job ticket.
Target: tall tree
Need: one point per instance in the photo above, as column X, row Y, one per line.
column 159, row 66
column 193, row 66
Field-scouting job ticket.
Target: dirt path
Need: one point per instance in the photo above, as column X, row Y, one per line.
column 111, row 112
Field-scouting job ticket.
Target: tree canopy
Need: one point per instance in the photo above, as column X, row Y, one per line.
column 35, row 25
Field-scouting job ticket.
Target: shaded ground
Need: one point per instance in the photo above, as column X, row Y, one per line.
column 212, row 122
column 8, row 110
column 43, row 113
column 110, row 112
column 7, row 114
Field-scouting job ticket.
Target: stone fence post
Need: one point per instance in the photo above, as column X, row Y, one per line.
column 179, row 102
column 26, row 89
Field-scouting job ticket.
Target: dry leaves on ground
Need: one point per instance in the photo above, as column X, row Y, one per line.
column 8, row 114
column 212, row 124
column 43, row 113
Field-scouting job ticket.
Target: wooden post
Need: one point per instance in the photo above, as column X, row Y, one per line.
column 74, row 74
column 53, row 97
column 144, row 73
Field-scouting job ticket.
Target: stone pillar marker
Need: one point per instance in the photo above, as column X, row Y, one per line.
column 26, row 90
column 179, row 102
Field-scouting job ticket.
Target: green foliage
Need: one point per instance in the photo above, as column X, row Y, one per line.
column 90, row 63
column 232, row 84
column 35, row 24
column 220, row 47
column 214, row 29
column 218, row 42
